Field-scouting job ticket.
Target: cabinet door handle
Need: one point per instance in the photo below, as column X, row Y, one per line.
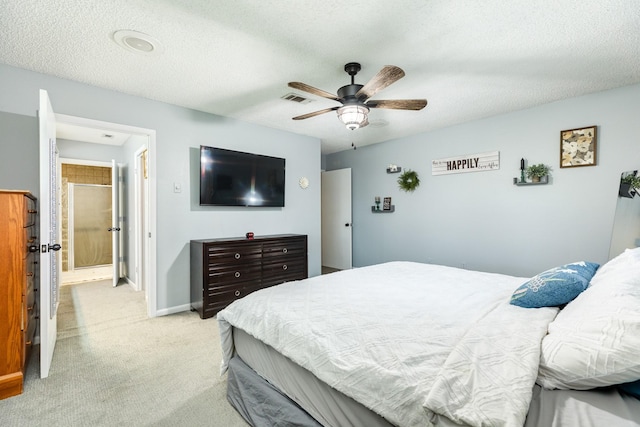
column 237, row 274
column 27, row 343
column 284, row 267
column 237, row 256
column 237, row 293
column 284, row 250
column 30, row 274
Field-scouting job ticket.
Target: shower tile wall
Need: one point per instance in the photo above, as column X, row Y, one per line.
column 77, row 174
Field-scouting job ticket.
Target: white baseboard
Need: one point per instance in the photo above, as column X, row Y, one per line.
column 173, row 310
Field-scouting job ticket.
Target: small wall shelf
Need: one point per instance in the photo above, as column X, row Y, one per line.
column 543, row 180
column 397, row 170
column 373, row 209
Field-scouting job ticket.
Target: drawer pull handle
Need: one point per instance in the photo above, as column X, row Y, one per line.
column 237, row 293
column 284, row 250
column 284, row 267
column 27, row 343
column 237, row 255
column 29, row 308
column 30, row 274
column 237, row 274
column 32, row 211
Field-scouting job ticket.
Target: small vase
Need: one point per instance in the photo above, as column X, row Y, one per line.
column 535, row 179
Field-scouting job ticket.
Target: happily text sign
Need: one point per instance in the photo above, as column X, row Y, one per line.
column 467, row 163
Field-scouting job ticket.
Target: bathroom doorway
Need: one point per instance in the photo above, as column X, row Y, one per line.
column 86, row 218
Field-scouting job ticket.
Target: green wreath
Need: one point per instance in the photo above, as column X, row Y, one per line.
column 409, row 180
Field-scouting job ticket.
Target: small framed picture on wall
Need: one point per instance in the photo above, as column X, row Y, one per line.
column 386, row 204
column 578, row 147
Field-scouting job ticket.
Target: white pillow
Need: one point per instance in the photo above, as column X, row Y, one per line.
column 595, row 340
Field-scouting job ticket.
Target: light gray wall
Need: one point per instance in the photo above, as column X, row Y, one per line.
column 481, row 220
column 19, row 140
column 88, row 151
column 178, row 132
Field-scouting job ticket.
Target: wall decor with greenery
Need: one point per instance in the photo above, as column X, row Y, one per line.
column 408, row 181
column 535, row 172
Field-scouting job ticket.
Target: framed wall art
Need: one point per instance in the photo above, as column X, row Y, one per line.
column 578, row 147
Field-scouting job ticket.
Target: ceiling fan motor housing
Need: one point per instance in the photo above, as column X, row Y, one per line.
column 348, row 92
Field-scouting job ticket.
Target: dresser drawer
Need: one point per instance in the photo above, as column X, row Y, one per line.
column 220, row 275
column 289, row 248
column 218, row 298
column 277, row 273
column 30, row 211
column 30, row 240
column 232, row 255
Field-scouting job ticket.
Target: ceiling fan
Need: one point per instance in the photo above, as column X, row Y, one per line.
column 355, row 98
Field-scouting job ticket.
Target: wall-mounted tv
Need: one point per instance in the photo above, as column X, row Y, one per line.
column 234, row 178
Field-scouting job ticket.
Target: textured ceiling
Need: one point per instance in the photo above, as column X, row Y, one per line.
column 469, row 59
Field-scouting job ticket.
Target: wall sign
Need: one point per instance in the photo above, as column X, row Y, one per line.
column 466, row 163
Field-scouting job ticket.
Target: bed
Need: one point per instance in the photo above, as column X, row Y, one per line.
column 410, row 344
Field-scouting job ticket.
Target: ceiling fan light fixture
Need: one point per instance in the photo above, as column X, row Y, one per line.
column 353, row 116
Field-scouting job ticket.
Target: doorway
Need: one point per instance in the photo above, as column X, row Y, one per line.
column 86, row 205
column 134, row 139
column 336, row 220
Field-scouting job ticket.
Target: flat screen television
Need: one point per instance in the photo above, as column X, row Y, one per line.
column 234, row 178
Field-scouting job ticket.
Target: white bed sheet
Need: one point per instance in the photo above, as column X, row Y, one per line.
column 406, row 340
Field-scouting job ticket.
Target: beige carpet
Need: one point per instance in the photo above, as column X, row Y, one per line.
column 114, row 366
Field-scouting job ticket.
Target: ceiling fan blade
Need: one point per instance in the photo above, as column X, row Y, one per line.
column 388, row 75
column 315, row 113
column 398, row 104
column 319, row 92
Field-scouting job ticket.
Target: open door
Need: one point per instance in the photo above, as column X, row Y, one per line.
column 336, row 219
column 115, row 222
column 50, row 238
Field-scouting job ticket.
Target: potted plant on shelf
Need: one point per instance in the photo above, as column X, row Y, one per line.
column 535, row 172
column 629, row 185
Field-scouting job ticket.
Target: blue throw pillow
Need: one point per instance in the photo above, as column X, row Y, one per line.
column 631, row 388
column 555, row 287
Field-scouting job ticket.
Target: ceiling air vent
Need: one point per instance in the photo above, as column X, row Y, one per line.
column 296, row 98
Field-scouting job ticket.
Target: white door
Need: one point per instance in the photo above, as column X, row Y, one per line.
column 50, row 259
column 115, row 222
column 336, row 219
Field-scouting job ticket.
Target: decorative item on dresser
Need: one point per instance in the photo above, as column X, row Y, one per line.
column 19, row 249
column 223, row 270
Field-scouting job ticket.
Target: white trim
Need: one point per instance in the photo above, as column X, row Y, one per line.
column 174, row 310
column 151, row 265
column 131, row 283
column 97, row 124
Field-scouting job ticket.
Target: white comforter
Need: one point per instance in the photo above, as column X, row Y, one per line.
column 410, row 341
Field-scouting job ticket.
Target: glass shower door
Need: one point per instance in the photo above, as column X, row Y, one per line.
column 91, row 220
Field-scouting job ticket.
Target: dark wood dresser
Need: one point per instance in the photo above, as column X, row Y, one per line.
column 223, row 270
column 18, row 261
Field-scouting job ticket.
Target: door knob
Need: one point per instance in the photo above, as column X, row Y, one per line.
column 55, row 247
column 347, row 224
